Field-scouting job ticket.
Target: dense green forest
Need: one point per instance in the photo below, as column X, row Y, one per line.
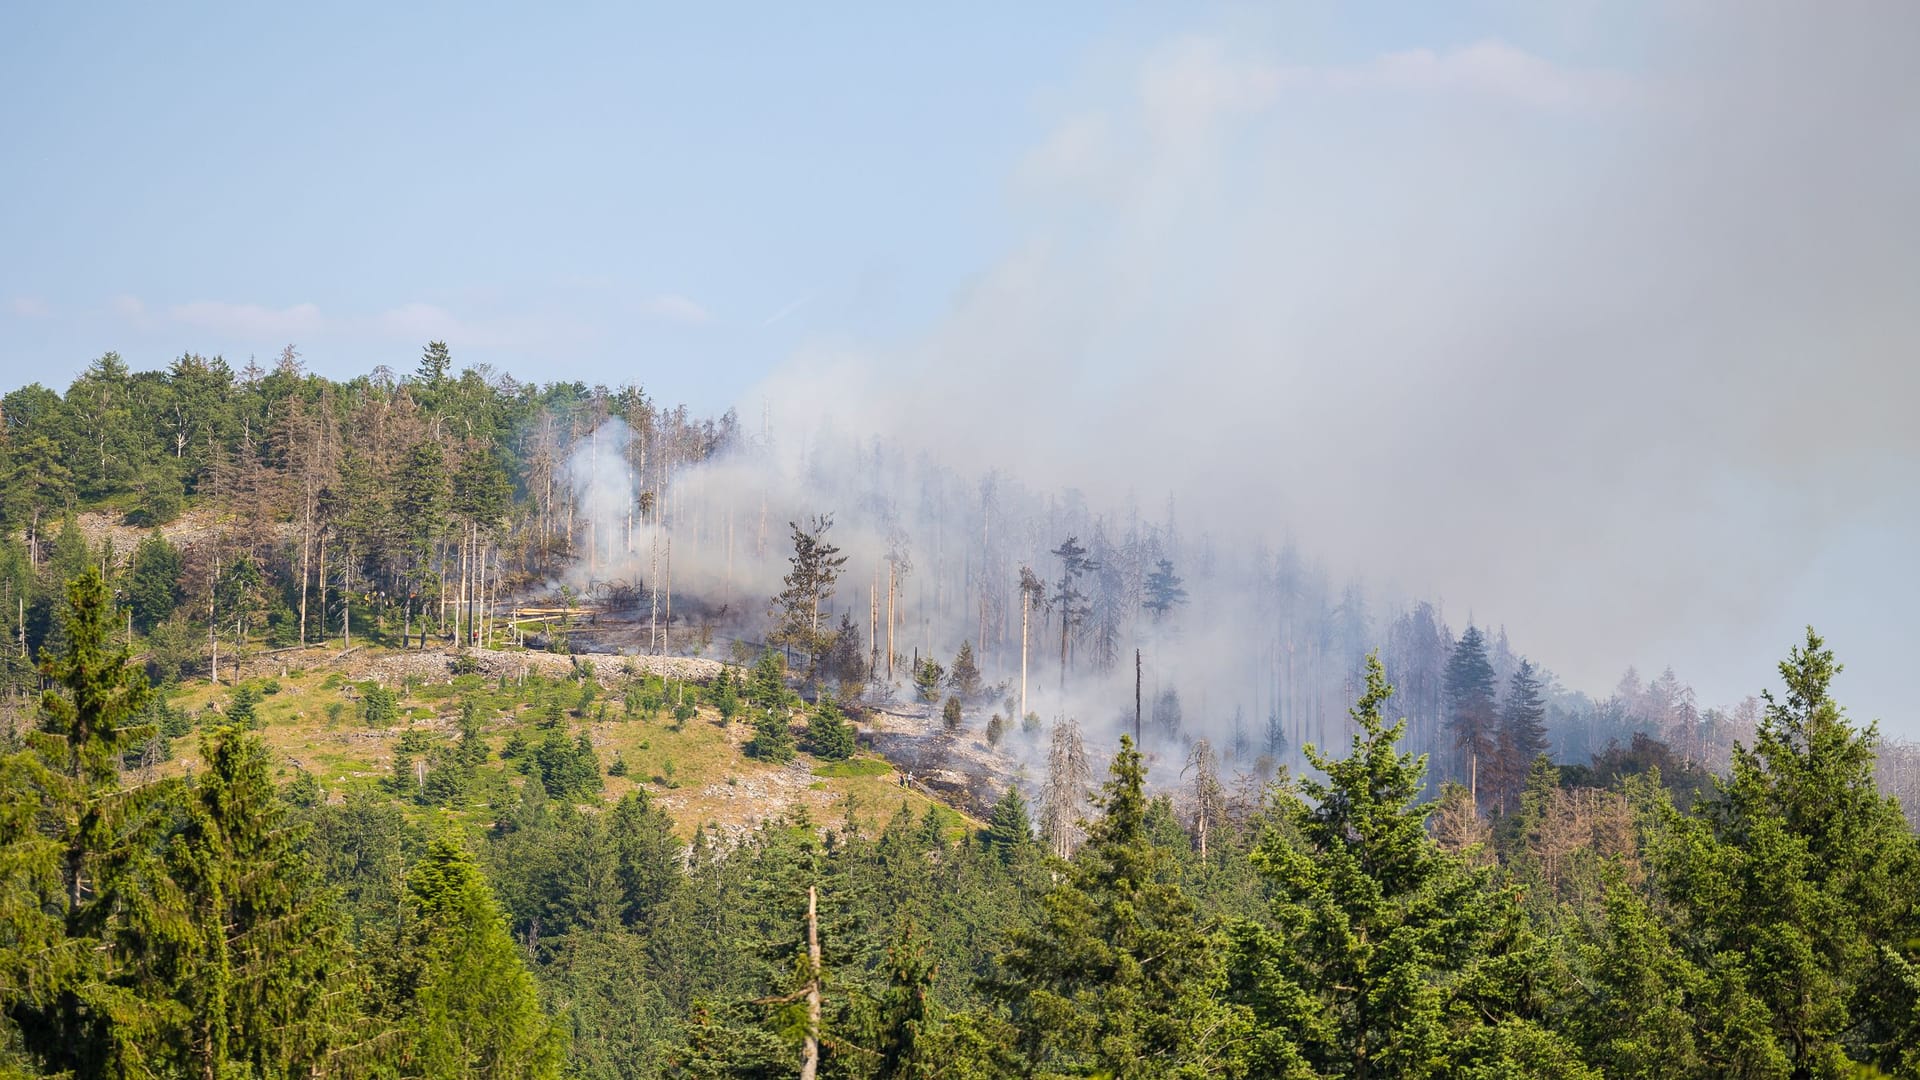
column 1280, row 878
column 211, row 925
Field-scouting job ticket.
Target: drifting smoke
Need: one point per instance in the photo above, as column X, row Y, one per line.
column 936, row 555
column 1599, row 355
column 1610, row 355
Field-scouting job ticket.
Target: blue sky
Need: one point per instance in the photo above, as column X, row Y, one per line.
column 673, row 194
column 623, row 192
column 1606, row 306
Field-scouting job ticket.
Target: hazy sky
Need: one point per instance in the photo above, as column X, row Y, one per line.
column 1595, row 320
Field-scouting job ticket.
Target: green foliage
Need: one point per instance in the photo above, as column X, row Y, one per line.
column 796, row 611
column 950, row 715
column 1165, row 590
column 927, row 677
column 475, row 1009
column 725, row 695
column 379, row 706
column 211, row 925
column 259, row 991
column 829, row 734
column 766, row 686
column 1009, row 828
column 964, row 678
column 1382, row 951
column 303, row 790
column 240, row 706
column 1117, row 975
column 154, row 590
column 567, row 769
column 1791, row 882
column 772, row 737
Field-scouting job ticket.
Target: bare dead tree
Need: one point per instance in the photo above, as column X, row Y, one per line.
column 1064, row 798
column 1209, row 798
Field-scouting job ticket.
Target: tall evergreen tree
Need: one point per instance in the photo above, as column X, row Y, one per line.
column 474, row 1009
column 1522, row 736
column 1118, row 976
column 154, row 589
column 964, row 676
column 1375, row 961
column 1797, row 884
column 1068, row 599
column 1009, row 828
column 1471, row 717
column 91, row 924
column 1165, row 590
column 265, row 992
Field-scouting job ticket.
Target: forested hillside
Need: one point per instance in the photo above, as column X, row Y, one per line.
column 356, row 729
column 242, row 511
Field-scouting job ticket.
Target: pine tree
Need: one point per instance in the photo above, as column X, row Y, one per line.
column 927, row 676
column 902, row 1049
column 1522, row 736
column 1118, row 976
column 1470, row 704
column 1009, row 831
column 950, row 715
column 475, row 1009
column 1165, row 590
column 1068, row 600
column 263, row 992
column 766, row 685
column 435, row 362
column 964, row 677
column 154, row 591
column 90, row 930
column 829, row 735
column 772, row 737
column 816, row 566
column 1797, row 882
column 1381, row 948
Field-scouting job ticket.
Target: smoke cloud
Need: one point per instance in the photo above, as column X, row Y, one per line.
column 1607, row 353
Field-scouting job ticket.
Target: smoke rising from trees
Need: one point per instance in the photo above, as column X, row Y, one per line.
column 1610, row 355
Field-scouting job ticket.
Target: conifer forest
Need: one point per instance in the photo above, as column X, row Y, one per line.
column 341, row 721
column 931, row 542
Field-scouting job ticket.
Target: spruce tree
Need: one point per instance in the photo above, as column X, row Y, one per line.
column 772, row 737
column 1117, row 974
column 91, row 931
column 829, row 735
column 474, row 1010
column 1471, row 717
column 1381, row 948
column 154, row 589
column 1009, row 829
column 1796, row 882
column 1522, row 736
column 1165, row 590
column 964, row 677
column 264, row 992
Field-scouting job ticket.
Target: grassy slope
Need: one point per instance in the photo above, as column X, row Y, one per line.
column 695, row 770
